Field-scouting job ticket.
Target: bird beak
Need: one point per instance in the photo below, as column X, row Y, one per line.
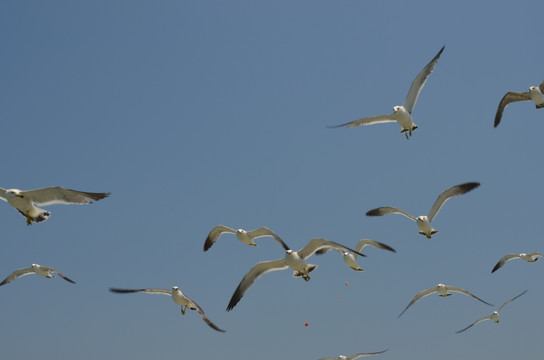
column 20, row 195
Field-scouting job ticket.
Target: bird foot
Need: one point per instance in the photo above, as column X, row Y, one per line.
column 28, row 220
column 183, row 310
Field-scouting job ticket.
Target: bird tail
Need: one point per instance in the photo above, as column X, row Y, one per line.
column 37, row 216
column 309, row 269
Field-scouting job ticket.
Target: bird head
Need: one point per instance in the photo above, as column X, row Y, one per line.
column 14, row 193
column 175, row 288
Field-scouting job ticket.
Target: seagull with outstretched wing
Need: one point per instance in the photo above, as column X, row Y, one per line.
column 535, row 94
column 44, row 271
column 244, row 236
column 401, row 114
column 531, row 257
column 351, row 258
column 354, row 356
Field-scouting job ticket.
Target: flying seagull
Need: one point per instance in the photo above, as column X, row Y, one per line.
column 532, row 257
column 442, row 290
column 244, row 236
column 178, row 297
column 424, row 222
column 292, row 259
column 351, row 259
column 354, row 356
column 401, row 114
column 494, row 316
column 35, row 269
column 534, row 94
column 24, row 201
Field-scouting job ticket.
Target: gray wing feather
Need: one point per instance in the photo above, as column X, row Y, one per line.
column 203, row 316
column 17, row 274
column 422, row 294
column 315, row 245
column 463, row 291
column 264, row 231
column 419, row 82
column 502, row 261
column 59, row 195
column 256, row 272
column 474, row 323
column 147, row 291
column 3, row 194
column 215, row 233
column 368, row 121
column 509, row 301
column 449, row 193
column 386, row 210
column 510, row 97
column 541, row 87
column 365, row 242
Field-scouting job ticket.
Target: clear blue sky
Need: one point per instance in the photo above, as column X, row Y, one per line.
column 199, row 113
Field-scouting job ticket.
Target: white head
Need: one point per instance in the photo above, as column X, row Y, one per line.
column 175, row 288
column 396, row 108
column 241, row 231
column 289, row 252
column 35, row 265
column 11, row 193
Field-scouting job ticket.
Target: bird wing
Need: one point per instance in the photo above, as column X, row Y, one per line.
column 215, row 234
column 356, row 356
column 256, row 272
column 315, row 245
column 536, row 253
column 17, row 274
column 504, row 259
column 264, row 231
column 419, row 296
column 365, row 242
column 476, row 322
column 541, row 87
column 203, row 316
column 368, row 121
column 463, row 291
column 60, row 195
column 449, row 193
column 419, row 82
column 3, row 194
column 148, row 291
column 386, row 210
column 512, row 299
column 510, row 97
column 50, row 269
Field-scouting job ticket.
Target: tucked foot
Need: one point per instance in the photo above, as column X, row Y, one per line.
column 183, row 310
column 28, row 220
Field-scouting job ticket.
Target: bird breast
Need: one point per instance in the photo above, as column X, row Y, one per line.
column 294, row 261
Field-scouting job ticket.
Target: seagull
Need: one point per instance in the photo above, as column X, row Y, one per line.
column 494, row 316
column 351, row 259
column 244, row 236
column 292, row 259
column 442, row 291
column 401, row 114
column 354, row 356
column 35, row 269
column 532, row 257
column 534, row 94
column 24, row 201
column 424, row 222
column 178, row 297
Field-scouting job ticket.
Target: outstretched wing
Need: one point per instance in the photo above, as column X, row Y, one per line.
column 17, row 274
column 316, row 245
column 449, row 193
column 474, row 323
column 203, row 316
column 256, row 272
column 422, row 294
column 504, row 259
column 386, row 210
column 59, row 195
column 356, row 356
column 463, row 291
column 419, row 82
column 365, row 242
column 510, row 97
column 509, row 301
column 264, row 231
column 147, row 291
column 50, row 269
column 368, row 121
column 215, row 234
column 3, row 194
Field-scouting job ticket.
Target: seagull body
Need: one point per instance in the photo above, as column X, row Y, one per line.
column 244, row 236
column 442, row 290
column 494, row 316
column 292, row 259
column 354, row 356
column 351, row 258
column 402, row 114
column 25, row 201
column 424, row 222
column 534, row 94
column 35, row 269
column 178, row 297
column 532, row 257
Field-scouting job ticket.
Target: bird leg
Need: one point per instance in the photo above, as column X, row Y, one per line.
column 28, row 219
column 406, row 134
column 183, row 308
column 306, row 276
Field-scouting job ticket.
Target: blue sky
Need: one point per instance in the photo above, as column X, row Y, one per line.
column 194, row 114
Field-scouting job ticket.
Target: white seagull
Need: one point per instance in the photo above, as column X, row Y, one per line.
column 351, row 258
column 24, row 201
column 402, row 114
column 494, row 316
column 534, row 94
column 244, row 236
column 292, row 259
column 532, row 257
column 178, row 297
column 442, row 290
column 354, row 356
column 424, row 222
column 35, row 269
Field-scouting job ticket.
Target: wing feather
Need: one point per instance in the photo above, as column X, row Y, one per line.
column 147, row 291
column 508, row 98
column 449, row 193
column 365, row 242
column 264, row 231
column 474, row 323
column 466, row 292
column 503, row 260
column 215, row 233
column 368, row 121
column 509, row 301
column 422, row 294
column 203, row 316
column 3, row 194
column 317, row 244
column 59, row 195
column 386, row 210
column 17, row 274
